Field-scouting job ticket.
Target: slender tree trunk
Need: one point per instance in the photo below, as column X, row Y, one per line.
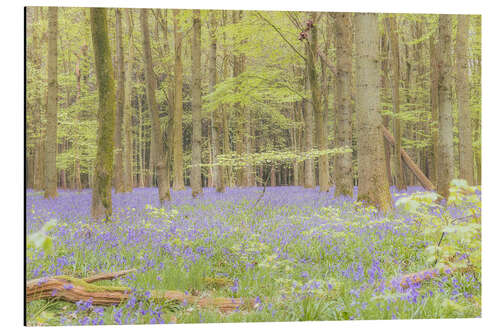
column 373, row 187
column 445, row 146
column 160, row 157
column 309, row 135
column 212, row 77
column 195, row 181
column 38, row 161
column 140, row 144
column 78, row 182
column 385, row 119
column 392, row 30
column 312, row 58
column 177, row 124
column 434, row 80
column 127, row 122
column 119, row 179
column 343, row 131
column 101, row 192
column 51, row 134
column 464, row 118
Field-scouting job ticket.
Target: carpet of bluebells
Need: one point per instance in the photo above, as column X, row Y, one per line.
column 301, row 254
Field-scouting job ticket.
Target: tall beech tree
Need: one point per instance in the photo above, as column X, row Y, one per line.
column 373, row 185
column 466, row 158
column 160, row 157
column 445, row 170
column 196, row 188
column 101, row 192
column 52, row 91
column 343, row 113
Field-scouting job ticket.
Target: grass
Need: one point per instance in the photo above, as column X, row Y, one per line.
column 305, row 255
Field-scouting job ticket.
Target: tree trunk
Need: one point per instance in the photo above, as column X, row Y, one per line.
column 392, row 29
column 38, row 161
column 196, row 107
column 373, row 185
column 312, row 58
column 51, row 133
column 120, row 99
column 445, row 146
column 464, row 118
column 434, row 80
column 101, row 192
column 343, row 131
column 127, row 121
column 177, row 124
column 140, row 144
column 384, row 47
column 308, row 133
column 160, row 157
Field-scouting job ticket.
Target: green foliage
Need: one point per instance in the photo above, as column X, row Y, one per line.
column 273, row 157
column 456, row 241
column 42, row 240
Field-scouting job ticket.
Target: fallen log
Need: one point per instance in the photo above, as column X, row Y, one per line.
column 108, row 276
column 426, row 183
column 72, row 289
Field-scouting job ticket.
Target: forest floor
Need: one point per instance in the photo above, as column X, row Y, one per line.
column 301, row 254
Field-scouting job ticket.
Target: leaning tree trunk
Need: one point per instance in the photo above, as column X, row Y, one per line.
column 343, row 132
column 392, row 27
column 464, row 119
column 119, row 180
column 196, row 107
column 177, row 124
column 159, row 154
column 51, row 133
column 373, row 186
column 445, row 145
column 101, row 192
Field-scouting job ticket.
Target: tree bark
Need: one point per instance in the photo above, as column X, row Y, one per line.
column 51, row 133
column 392, row 28
column 312, row 59
column 195, row 181
column 119, row 179
column 343, row 130
column 385, row 118
column 373, row 185
column 159, row 154
column 72, row 289
column 127, row 121
column 101, row 192
column 178, row 166
column 309, row 135
column 445, row 146
column 434, row 80
column 464, row 117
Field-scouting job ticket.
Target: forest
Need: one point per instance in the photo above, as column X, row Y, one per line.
column 187, row 166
